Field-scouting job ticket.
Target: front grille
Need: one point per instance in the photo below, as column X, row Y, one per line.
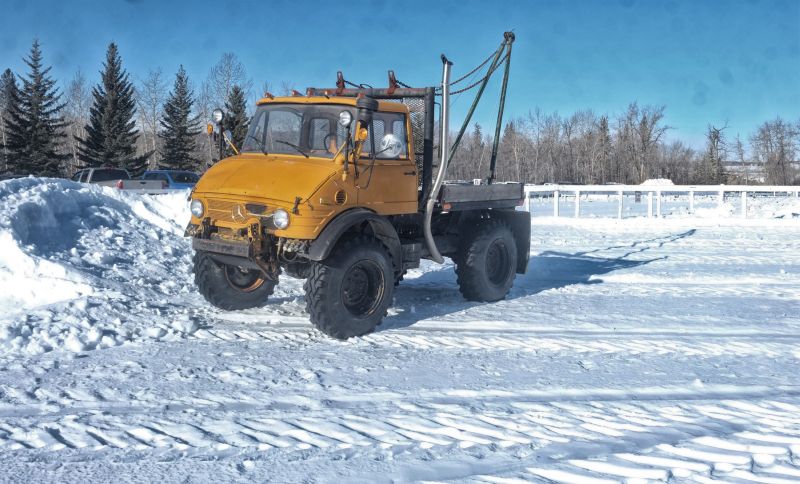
column 221, row 210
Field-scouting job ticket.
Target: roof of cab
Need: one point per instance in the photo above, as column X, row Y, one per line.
column 350, row 101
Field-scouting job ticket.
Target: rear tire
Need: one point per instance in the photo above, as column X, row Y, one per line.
column 229, row 287
column 348, row 293
column 486, row 262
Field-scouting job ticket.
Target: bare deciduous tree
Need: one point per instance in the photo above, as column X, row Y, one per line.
column 775, row 145
column 205, row 104
column 225, row 74
column 266, row 87
column 286, row 88
column 76, row 114
column 744, row 167
column 150, row 97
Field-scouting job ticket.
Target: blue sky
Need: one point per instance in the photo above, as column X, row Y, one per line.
column 735, row 61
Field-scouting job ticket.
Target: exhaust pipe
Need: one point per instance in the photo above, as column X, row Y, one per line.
column 444, row 151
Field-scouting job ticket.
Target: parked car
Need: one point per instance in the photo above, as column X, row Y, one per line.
column 118, row 178
column 11, row 176
column 175, row 179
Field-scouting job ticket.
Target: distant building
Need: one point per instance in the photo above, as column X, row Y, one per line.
column 749, row 171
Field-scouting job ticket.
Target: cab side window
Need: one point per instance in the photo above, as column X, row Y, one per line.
column 391, row 140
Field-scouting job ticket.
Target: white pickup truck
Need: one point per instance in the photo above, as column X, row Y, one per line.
column 119, row 178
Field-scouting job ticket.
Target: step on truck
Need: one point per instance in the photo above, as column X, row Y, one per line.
column 337, row 187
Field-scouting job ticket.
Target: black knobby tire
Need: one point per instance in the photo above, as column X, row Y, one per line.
column 349, row 292
column 229, row 287
column 486, row 262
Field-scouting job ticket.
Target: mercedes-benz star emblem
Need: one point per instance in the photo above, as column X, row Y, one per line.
column 238, row 214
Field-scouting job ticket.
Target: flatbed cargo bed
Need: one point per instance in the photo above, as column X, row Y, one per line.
column 456, row 196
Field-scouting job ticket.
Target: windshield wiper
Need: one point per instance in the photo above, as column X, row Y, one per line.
column 261, row 144
column 292, row 145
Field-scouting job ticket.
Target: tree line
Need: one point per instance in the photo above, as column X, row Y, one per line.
column 147, row 125
column 46, row 132
column 629, row 148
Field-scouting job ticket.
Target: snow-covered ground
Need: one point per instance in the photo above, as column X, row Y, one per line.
column 637, row 349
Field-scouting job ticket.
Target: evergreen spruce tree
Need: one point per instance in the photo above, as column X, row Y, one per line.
column 9, row 98
column 111, row 133
column 180, row 129
column 34, row 126
column 236, row 119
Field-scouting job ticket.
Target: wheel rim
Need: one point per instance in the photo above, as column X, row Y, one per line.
column 243, row 280
column 497, row 262
column 362, row 288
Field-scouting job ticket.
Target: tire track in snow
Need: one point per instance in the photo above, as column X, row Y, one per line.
column 571, row 441
column 436, row 336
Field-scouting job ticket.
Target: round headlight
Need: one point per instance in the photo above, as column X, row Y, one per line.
column 345, row 118
column 196, row 208
column 217, row 115
column 280, row 218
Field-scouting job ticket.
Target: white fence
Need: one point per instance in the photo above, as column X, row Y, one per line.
column 653, row 193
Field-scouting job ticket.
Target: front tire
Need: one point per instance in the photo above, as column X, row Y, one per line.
column 230, row 287
column 348, row 293
column 486, row 263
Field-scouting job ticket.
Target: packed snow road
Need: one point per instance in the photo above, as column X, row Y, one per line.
column 632, row 350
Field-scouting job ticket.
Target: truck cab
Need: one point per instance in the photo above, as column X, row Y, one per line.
column 295, row 161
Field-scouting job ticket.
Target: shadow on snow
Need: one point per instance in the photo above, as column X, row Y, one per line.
column 435, row 293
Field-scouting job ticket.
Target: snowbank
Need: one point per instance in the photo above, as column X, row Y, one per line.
column 657, row 182
column 76, row 261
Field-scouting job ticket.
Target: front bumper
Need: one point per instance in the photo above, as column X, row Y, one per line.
column 226, row 247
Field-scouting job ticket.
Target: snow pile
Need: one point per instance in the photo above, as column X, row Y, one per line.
column 772, row 207
column 76, row 261
column 758, row 207
column 657, row 182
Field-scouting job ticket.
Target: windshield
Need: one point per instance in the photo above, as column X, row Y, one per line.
column 297, row 129
column 108, row 175
column 185, row 177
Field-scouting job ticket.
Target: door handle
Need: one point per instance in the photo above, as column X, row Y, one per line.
column 409, row 173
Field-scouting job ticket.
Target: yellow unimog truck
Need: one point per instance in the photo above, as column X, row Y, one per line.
column 336, row 187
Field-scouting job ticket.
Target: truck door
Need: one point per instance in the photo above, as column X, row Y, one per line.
column 392, row 188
